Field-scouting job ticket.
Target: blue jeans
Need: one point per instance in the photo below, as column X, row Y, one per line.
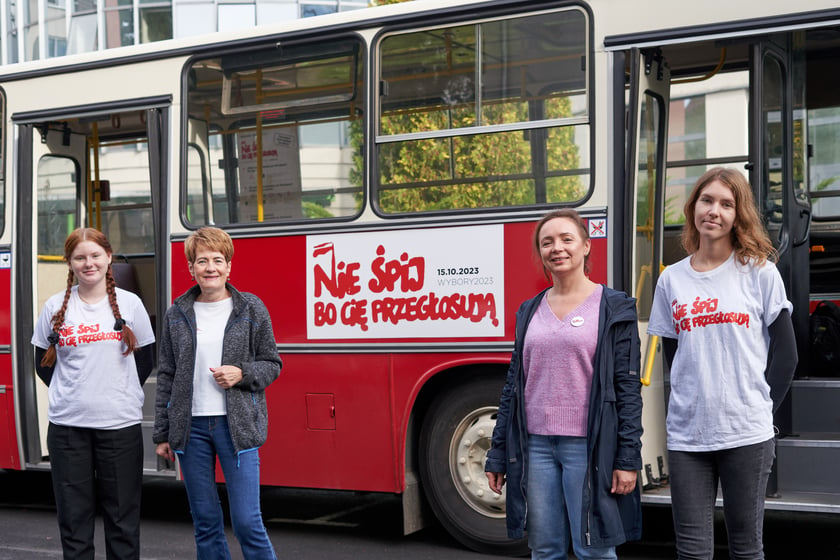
column 556, row 474
column 209, row 438
column 743, row 473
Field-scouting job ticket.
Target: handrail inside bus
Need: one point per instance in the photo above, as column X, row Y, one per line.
column 650, row 357
column 654, row 339
column 94, row 186
column 709, row 74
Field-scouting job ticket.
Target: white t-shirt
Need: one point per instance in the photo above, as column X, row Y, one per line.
column 210, row 321
column 719, row 396
column 93, row 384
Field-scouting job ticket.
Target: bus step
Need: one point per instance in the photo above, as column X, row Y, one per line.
column 815, row 405
column 807, row 462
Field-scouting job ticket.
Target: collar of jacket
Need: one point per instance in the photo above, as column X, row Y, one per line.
column 186, row 300
column 622, row 308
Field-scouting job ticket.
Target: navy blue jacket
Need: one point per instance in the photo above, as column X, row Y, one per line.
column 614, row 427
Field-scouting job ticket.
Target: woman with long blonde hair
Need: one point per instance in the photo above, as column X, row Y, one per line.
column 728, row 337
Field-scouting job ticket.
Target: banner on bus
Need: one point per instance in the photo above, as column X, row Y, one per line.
column 430, row 283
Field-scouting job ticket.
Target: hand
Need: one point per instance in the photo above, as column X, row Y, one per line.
column 165, row 451
column 623, row 482
column 496, row 481
column 226, row 376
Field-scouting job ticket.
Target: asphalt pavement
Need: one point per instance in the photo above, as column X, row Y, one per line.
column 316, row 524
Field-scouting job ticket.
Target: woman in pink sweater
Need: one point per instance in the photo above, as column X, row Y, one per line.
column 569, row 422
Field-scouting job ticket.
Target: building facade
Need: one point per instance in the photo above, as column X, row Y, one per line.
column 40, row 29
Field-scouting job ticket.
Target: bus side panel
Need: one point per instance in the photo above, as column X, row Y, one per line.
column 8, row 439
column 275, row 270
column 5, row 312
column 523, row 271
column 339, row 420
column 330, row 424
column 271, row 268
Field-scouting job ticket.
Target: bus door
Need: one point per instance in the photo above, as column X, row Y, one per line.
column 645, row 178
column 779, row 171
column 99, row 168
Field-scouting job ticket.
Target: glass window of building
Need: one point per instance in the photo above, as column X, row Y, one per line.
column 313, row 9
column 274, row 12
column 119, row 23
column 83, row 25
column 236, row 16
column 194, row 19
column 30, row 30
column 155, row 20
column 11, row 33
column 56, row 28
column 345, row 5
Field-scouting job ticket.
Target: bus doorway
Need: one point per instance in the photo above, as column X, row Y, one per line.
column 99, row 169
column 754, row 102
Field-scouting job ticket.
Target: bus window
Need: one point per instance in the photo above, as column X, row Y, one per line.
column 198, row 211
column 57, row 211
column 651, row 117
column 486, row 115
column 697, row 142
column 127, row 212
column 2, row 159
column 281, row 125
column 823, row 131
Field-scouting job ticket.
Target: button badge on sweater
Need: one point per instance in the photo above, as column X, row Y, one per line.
column 577, row 321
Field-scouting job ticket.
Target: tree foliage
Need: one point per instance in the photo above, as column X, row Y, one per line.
column 471, row 171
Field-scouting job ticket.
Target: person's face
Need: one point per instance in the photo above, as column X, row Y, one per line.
column 562, row 246
column 210, row 269
column 89, row 263
column 714, row 211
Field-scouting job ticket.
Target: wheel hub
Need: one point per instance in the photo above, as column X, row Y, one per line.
column 467, row 453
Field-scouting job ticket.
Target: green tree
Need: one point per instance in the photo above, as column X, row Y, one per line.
column 474, row 171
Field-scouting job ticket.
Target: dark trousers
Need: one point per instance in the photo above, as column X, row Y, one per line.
column 742, row 473
column 93, row 468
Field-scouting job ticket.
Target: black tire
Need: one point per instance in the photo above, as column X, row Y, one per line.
column 453, row 443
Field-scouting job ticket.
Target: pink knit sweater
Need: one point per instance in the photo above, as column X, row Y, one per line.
column 558, row 361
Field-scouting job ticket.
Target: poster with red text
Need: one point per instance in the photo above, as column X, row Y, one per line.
column 431, row 283
column 281, row 190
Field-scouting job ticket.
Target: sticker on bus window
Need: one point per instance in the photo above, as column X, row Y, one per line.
column 5, row 260
column 430, row 283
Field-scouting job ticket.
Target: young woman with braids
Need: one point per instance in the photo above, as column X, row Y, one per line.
column 93, row 349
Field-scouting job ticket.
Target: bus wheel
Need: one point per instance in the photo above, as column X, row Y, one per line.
column 453, row 443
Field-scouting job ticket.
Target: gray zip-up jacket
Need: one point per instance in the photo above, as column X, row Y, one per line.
column 248, row 344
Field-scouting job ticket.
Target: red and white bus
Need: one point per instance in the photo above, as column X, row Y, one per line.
column 380, row 172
